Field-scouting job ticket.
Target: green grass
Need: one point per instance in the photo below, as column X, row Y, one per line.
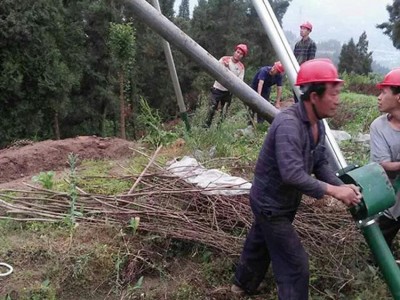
column 355, row 114
column 93, row 176
column 226, row 140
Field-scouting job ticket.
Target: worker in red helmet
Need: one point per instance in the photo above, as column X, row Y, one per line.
column 219, row 94
column 306, row 48
column 292, row 151
column 265, row 78
column 385, row 147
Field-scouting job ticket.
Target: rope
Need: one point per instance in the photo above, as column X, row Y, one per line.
column 10, row 269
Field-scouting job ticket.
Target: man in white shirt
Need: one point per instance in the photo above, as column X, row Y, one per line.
column 220, row 94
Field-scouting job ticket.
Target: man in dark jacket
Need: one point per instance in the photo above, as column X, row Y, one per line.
column 265, row 78
column 306, row 48
column 293, row 150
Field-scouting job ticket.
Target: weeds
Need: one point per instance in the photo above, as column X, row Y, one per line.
column 218, row 271
column 73, row 192
column 187, row 291
column 156, row 135
column 46, row 179
column 92, row 178
column 227, row 139
column 134, row 224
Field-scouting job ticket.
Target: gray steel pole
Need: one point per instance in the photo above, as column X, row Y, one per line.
column 169, row 31
column 174, row 76
column 286, row 56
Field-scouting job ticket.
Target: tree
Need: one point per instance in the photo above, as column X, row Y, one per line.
column 392, row 27
column 38, row 67
column 365, row 57
column 355, row 57
column 96, row 97
column 184, row 10
column 122, row 45
column 348, row 57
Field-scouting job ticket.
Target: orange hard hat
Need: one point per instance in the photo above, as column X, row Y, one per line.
column 279, row 67
column 318, row 70
column 307, row 25
column 391, row 79
column 242, row 47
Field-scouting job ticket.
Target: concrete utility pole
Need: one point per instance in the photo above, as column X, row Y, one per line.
column 174, row 76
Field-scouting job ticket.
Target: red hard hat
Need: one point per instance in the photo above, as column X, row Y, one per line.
column 391, row 79
column 307, row 25
column 317, row 70
column 279, row 67
column 242, row 47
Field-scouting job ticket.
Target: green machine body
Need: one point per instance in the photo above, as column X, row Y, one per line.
column 377, row 190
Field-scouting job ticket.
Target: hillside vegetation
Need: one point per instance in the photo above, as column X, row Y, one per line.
column 69, row 253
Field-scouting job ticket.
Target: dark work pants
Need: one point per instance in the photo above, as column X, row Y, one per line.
column 217, row 96
column 389, row 228
column 265, row 95
column 274, row 239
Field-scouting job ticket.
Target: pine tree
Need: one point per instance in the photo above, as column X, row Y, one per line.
column 355, row 57
column 348, row 57
column 365, row 57
column 392, row 27
column 184, row 10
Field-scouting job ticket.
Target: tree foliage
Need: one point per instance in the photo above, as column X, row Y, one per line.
column 184, row 10
column 392, row 26
column 38, row 69
column 122, row 46
column 355, row 57
column 62, row 70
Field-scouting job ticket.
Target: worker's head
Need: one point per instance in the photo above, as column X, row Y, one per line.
column 320, row 86
column 240, row 52
column 389, row 97
column 305, row 29
column 277, row 68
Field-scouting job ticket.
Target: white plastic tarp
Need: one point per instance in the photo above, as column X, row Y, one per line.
column 213, row 181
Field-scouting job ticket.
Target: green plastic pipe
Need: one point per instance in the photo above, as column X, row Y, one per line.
column 383, row 255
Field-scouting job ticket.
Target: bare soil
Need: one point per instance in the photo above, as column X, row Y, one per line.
column 19, row 164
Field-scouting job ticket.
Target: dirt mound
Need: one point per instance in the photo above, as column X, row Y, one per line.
column 18, row 162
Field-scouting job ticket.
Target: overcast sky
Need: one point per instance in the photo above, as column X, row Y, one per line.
column 340, row 20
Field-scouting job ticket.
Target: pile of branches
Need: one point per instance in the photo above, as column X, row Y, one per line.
column 163, row 204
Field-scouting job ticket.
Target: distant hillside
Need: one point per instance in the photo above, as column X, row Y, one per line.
column 331, row 49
